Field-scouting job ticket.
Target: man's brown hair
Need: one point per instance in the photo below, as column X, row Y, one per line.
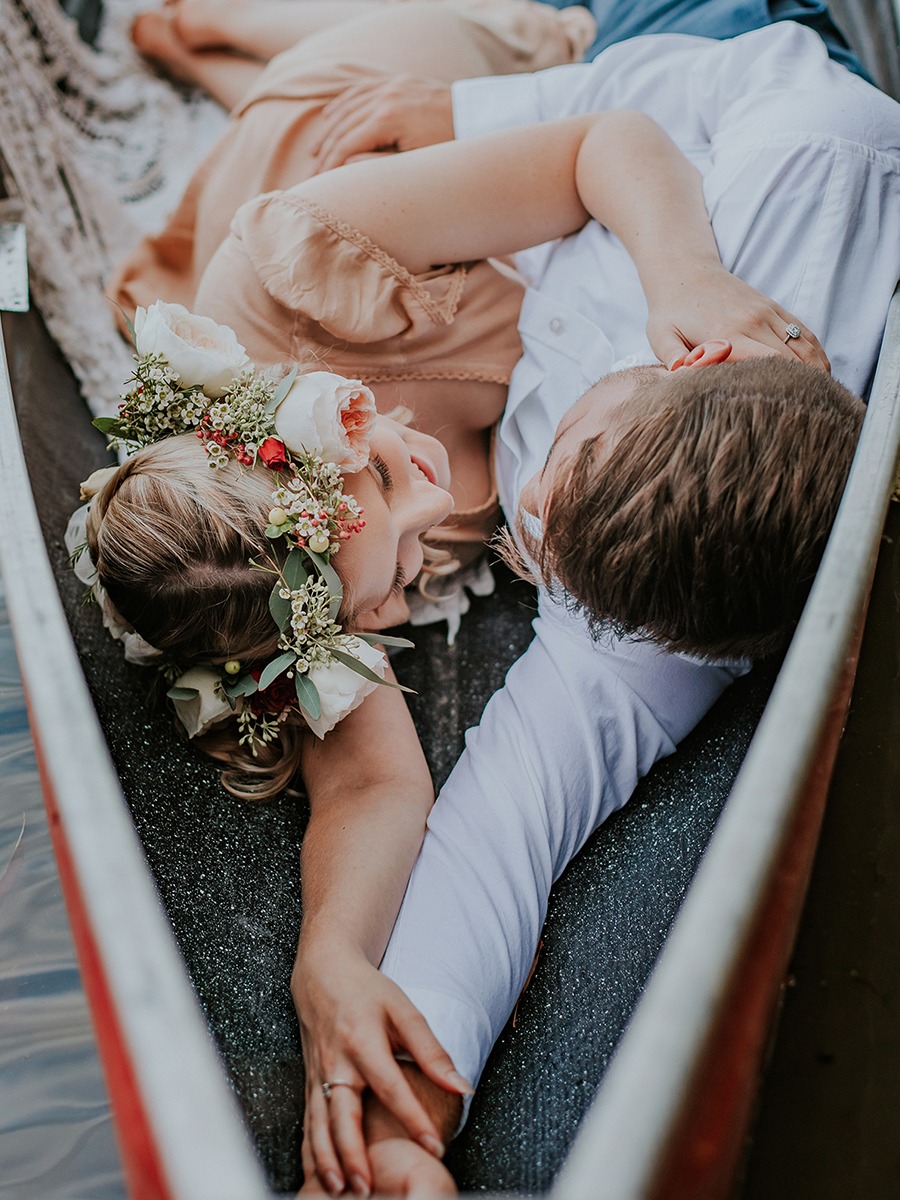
column 703, row 526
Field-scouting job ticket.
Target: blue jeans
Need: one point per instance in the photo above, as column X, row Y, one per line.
column 621, row 19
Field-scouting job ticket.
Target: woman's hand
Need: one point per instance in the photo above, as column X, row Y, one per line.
column 400, row 113
column 699, row 302
column 353, row 1021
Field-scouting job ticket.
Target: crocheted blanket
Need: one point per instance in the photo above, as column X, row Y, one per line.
column 97, row 148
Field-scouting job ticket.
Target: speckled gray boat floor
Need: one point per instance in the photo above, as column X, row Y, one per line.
column 228, row 870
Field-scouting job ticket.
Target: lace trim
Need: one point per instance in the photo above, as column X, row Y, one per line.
column 434, row 374
column 352, row 235
column 98, row 150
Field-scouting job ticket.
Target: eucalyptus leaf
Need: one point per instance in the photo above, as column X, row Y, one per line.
column 182, row 693
column 294, row 572
column 308, row 696
column 274, row 531
column 332, row 579
column 382, row 639
column 246, row 685
column 276, row 667
column 111, row 425
column 279, row 608
column 355, row 665
column 282, row 390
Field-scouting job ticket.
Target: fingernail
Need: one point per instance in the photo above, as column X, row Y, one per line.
column 334, row 1183
column 359, row 1187
column 460, row 1083
column 432, row 1145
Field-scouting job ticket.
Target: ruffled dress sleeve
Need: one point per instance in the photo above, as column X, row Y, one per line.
column 294, row 280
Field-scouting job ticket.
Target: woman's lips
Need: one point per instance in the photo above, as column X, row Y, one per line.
column 425, row 467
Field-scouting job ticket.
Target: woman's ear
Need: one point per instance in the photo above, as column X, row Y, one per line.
column 393, row 611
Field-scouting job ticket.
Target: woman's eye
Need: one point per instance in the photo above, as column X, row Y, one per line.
column 384, row 471
column 399, row 580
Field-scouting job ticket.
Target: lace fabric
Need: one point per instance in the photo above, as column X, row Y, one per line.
column 98, row 150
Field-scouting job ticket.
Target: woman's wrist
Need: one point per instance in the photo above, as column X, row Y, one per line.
column 665, row 275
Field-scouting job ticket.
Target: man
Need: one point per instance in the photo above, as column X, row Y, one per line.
column 801, row 166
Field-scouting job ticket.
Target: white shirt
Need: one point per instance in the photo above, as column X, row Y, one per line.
column 801, row 166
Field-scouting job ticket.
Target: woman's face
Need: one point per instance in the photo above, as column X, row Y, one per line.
column 403, row 492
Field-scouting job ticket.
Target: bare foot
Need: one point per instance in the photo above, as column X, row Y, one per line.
column 156, row 37
column 203, row 24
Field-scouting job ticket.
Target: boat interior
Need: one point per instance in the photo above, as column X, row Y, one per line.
column 624, row 968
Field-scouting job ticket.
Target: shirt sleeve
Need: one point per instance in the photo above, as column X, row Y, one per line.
column 558, row 749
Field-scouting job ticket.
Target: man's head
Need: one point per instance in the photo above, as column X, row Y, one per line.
column 692, row 506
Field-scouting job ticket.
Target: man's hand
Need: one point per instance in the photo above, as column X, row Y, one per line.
column 399, row 1166
column 400, row 113
column 353, row 1020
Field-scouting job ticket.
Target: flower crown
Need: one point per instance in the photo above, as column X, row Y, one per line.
column 192, row 375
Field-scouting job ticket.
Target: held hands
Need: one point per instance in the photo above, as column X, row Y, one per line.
column 689, row 306
column 400, row 113
column 353, row 1020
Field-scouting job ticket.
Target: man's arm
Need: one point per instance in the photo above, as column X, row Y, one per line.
column 558, row 749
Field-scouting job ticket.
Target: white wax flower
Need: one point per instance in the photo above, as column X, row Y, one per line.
column 208, row 707
column 328, row 415
column 340, row 689
column 200, row 352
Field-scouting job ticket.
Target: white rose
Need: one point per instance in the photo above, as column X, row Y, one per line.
column 199, row 351
column 205, row 709
column 330, row 416
column 341, row 690
column 96, row 482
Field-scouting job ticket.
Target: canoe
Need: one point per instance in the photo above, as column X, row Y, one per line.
column 676, row 920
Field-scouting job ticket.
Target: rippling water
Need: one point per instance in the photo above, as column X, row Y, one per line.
column 56, row 1136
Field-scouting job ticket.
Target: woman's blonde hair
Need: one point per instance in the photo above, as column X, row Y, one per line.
column 172, row 541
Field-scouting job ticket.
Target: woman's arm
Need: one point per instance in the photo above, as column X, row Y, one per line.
column 494, row 195
column 370, row 793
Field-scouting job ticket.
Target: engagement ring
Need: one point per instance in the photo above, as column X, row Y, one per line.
column 328, row 1088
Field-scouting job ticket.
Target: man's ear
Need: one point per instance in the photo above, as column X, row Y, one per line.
column 394, row 611
column 703, row 355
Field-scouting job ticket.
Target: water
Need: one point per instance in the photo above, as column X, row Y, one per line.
column 56, row 1135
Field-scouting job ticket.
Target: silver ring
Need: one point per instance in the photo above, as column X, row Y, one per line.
column 328, row 1088
column 792, row 331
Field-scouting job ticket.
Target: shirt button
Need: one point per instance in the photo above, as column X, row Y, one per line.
column 556, row 325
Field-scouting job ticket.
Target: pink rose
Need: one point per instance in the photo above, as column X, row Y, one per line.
column 328, row 415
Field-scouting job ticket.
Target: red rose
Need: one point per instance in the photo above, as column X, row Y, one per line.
column 273, row 454
column 279, row 695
